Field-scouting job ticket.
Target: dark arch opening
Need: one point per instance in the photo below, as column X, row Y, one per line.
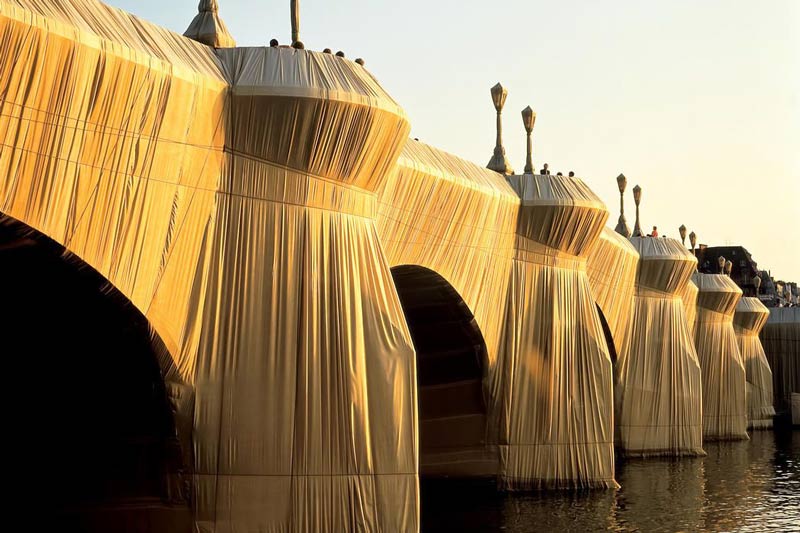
column 612, row 350
column 451, row 360
column 90, row 424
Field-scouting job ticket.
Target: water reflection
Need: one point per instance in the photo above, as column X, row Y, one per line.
column 744, row 486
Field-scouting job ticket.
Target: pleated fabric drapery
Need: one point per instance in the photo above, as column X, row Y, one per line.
column 689, row 299
column 551, row 414
column 305, row 411
column 611, row 267
column 231, row 197
column 724, row 377
column 457, row 219
column 657, row 383
column 748, row 320
column 781, row 340
column 466, row 235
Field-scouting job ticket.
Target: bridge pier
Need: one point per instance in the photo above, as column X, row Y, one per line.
column 552, row 407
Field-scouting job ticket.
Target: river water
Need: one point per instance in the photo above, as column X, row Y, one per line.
column 740, row 486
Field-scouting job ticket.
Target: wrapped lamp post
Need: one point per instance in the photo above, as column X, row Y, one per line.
column 207, row 26
column 728, row 267
column 622, row 224
column 528, row 120
column 637, row 198
column 721, row 263
column 498, row 162
column 757, row 284
column 682, row 232
column 295, row 14
column 693, row 242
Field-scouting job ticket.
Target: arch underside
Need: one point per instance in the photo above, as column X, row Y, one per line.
column 451, row 365
column 92, row 425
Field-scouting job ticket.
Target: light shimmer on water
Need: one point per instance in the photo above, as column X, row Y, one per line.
column 740, row 486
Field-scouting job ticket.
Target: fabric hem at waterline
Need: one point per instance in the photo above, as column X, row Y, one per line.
column 511, row 484
column 644, row 454
column 760, row 423
column 731, row 437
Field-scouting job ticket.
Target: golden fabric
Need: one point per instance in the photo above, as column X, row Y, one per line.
column 781, row 340
column 657, row 385
column 724, row 377
column 749, row 319
column 689, row 299
column 231, row 198
column 611, row 267
column 457, row 219
column 552, row 403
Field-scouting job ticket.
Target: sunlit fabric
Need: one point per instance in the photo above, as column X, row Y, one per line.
column 522, row 249
column 657, row 383
column 724, row 377
column 781, row 340
column 230, row 197
column 611, row 267
column 456, row 219
column 749, row 319
column 689, row 299
column 551, row 387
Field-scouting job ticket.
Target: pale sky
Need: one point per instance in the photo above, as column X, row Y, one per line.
column 697, row 101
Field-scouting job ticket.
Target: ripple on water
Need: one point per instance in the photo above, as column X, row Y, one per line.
column 740, row 486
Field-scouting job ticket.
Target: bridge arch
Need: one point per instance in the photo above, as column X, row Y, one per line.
column 93, row 426
column 451, row 365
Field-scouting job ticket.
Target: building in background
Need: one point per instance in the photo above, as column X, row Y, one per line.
column 773, row 293
column 744, row 267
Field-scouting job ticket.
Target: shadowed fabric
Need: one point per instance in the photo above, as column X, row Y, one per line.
column 657, row 386
column 100, row 431
column 451, row 362
column 207, row 26
column 611, row 267
column 551, row 387
column 749, row 319
column 230, row 196
column 781, row 340
column 724, row 377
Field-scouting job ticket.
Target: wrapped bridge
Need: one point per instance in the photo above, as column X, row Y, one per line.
column 292, row 309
